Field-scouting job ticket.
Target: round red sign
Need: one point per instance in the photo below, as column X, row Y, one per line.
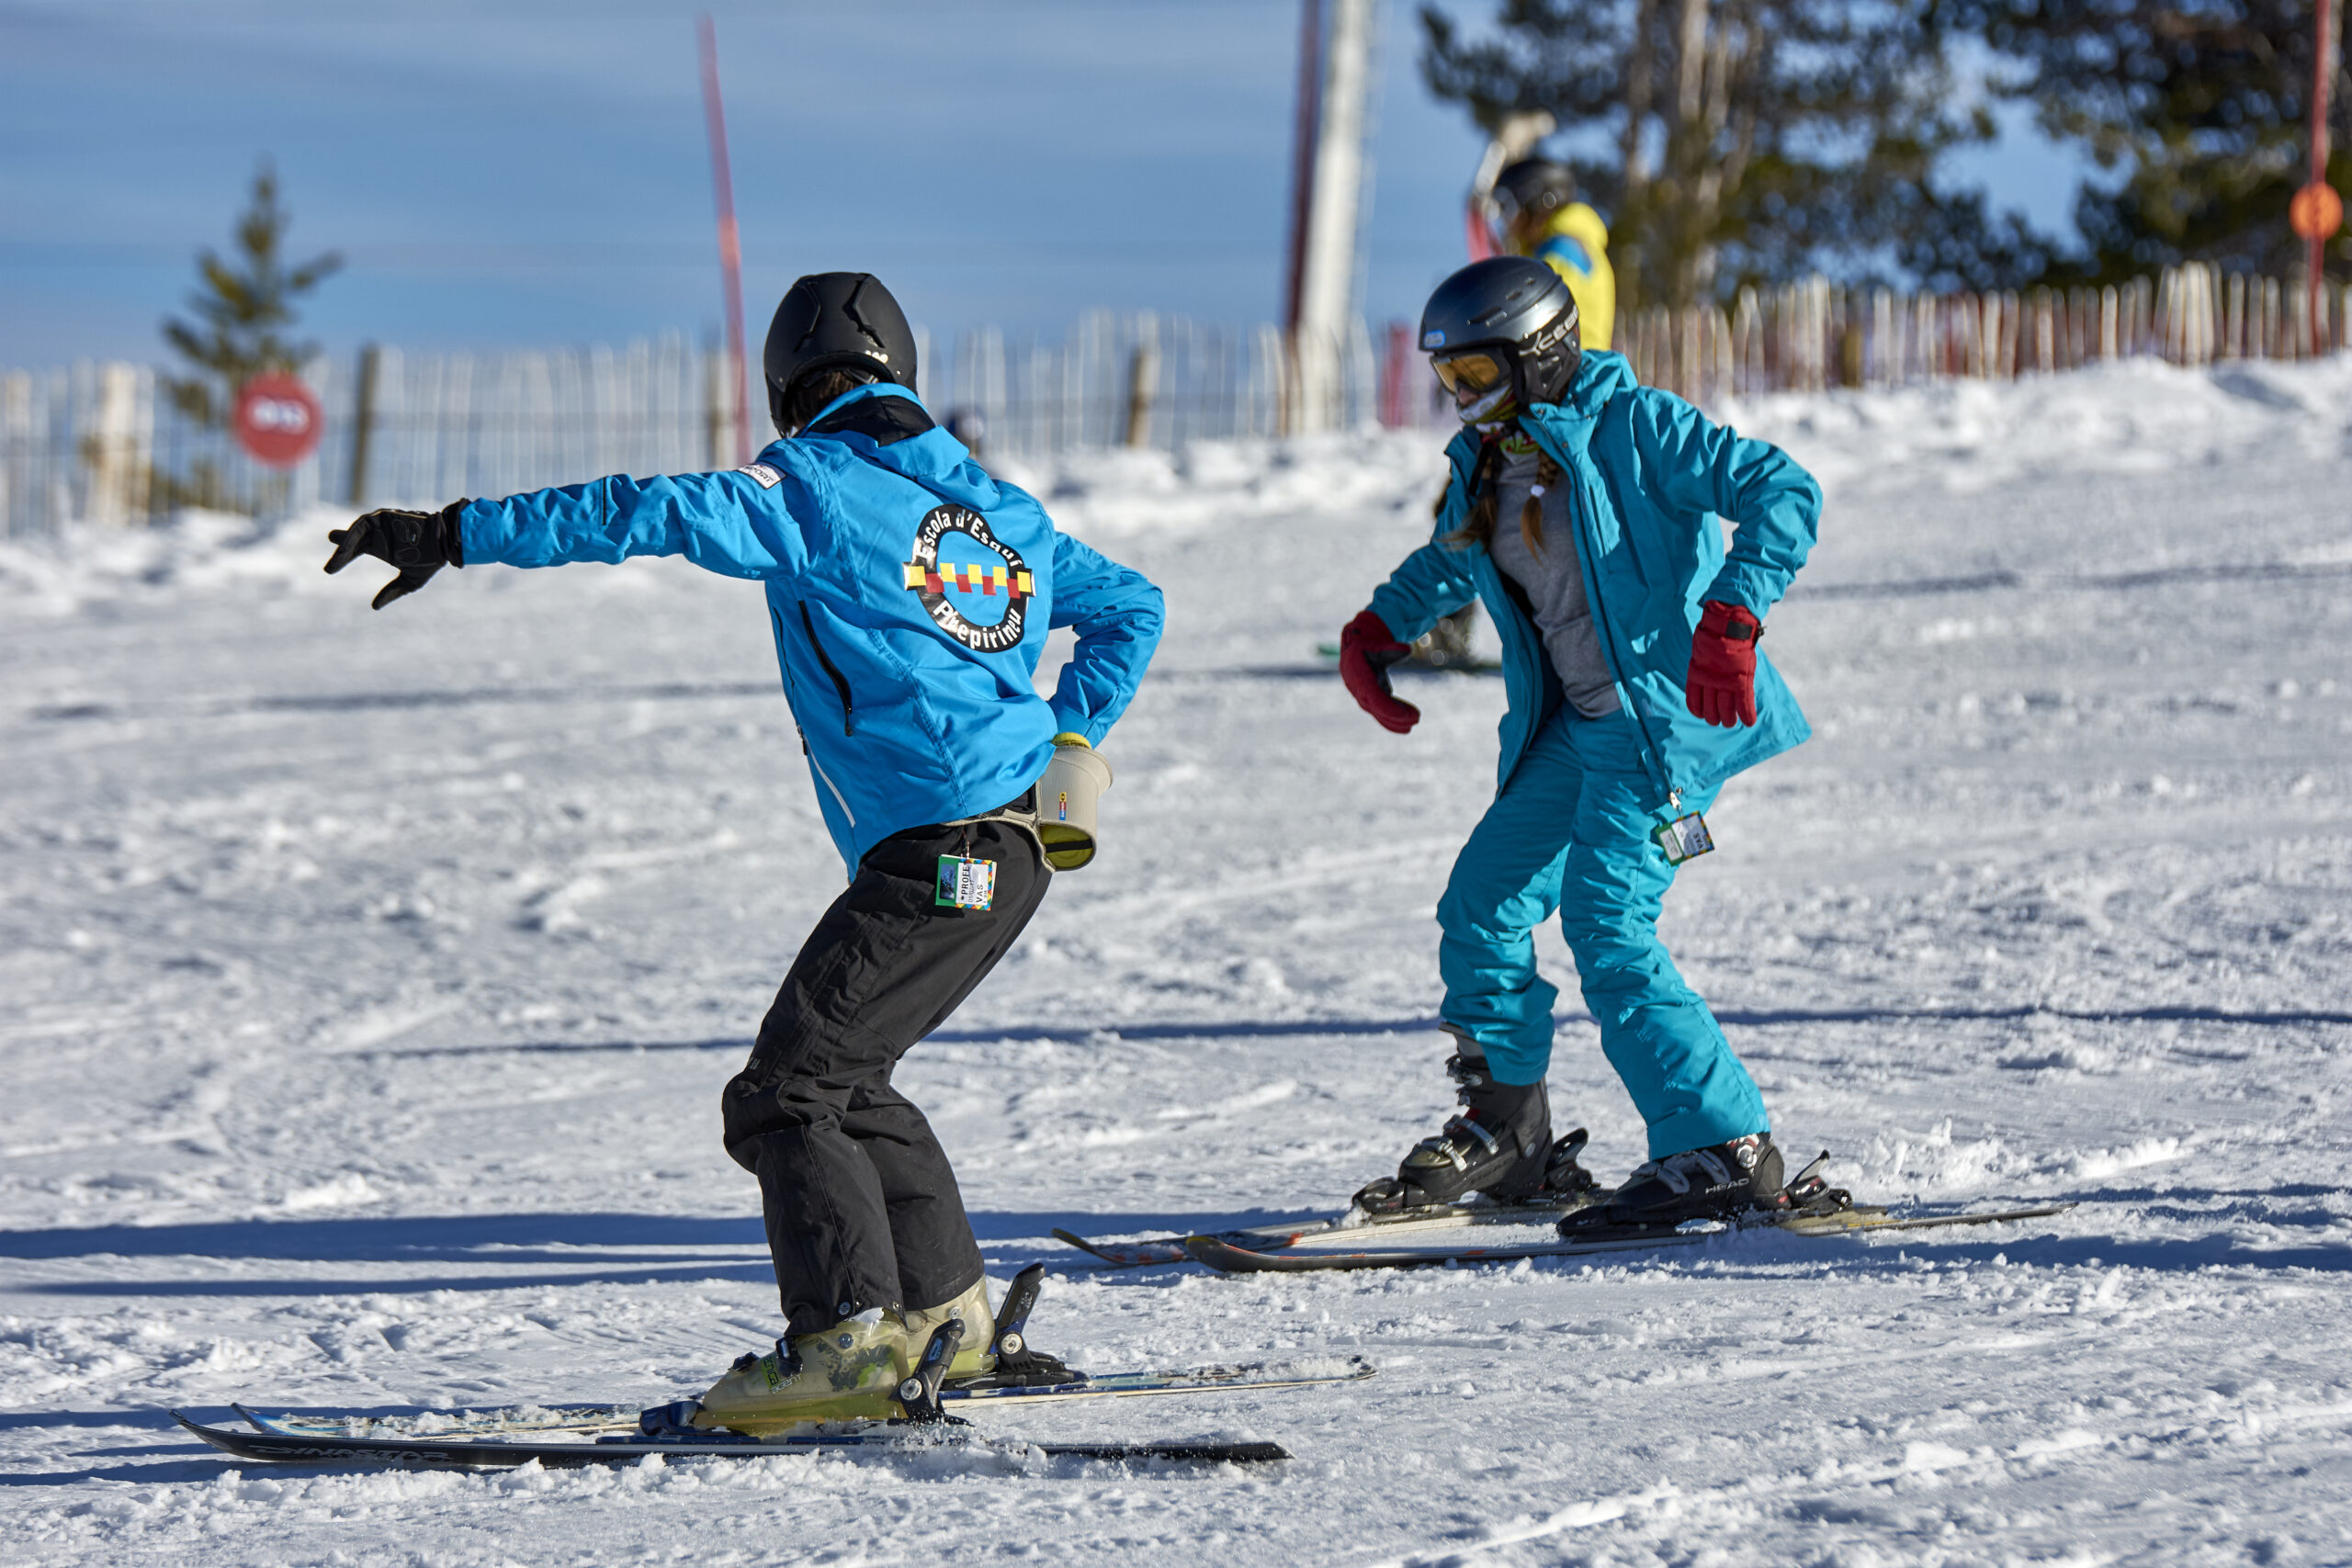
column 2316, row 213
column 278, row 419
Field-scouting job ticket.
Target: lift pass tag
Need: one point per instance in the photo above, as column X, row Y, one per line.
column 1685, row 838
column 966, row 884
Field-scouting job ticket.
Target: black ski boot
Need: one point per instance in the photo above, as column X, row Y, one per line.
column 1501, row 1144
column 1718, row 1183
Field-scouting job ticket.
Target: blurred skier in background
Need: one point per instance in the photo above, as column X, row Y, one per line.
column 909, row 595
column 1583, row 509
column 1536, row 200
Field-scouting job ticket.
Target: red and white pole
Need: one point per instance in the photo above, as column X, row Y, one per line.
column 730, row 249
column 2318, row 212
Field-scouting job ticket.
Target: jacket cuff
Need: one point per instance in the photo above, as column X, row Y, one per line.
column 453, row 532
column 1090, row 730
column 1749, row 588
column 1406, row 622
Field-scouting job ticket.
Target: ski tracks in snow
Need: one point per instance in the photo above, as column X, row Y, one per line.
column 372, row 980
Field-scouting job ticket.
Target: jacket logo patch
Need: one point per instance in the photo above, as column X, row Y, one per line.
column 768, row 478
column 973, row 585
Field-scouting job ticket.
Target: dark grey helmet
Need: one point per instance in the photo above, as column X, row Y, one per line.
column 836, row 321
column 1518, row 312
column 1534, row 188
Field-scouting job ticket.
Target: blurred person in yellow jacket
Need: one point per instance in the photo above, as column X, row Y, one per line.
column 1536, row 200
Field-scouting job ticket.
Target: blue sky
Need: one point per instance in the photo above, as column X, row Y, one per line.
column 522, row 172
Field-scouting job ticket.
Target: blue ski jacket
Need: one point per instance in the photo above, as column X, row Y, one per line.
column 909, row 593
column 1650, row 477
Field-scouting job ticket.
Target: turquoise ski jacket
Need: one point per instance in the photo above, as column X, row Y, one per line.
column 1651, row 476
column 909, row 593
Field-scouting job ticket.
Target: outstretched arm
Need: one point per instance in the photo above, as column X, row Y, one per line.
column 729, row 523
column 1118, row 614
column 726, row 522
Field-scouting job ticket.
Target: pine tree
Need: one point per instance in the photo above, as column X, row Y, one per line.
column 241, row 308
column 2200, row 108
column 1733, row 141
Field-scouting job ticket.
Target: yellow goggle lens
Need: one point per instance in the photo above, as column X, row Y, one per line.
column 1470, row 373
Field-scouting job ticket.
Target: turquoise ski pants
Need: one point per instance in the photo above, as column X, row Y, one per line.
column 1570, row 832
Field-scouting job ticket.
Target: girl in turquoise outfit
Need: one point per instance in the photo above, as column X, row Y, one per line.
column 1587, row 510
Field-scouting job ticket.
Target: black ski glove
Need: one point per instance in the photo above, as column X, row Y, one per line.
column 419, row 543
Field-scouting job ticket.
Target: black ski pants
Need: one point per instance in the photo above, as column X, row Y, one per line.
column 861, row 1206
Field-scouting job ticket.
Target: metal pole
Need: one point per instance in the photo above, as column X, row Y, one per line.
column 363, row 421
column 1328, row 278
column 1302, row 164
column 731, row 249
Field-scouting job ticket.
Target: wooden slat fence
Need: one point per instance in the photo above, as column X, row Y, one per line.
column 1813, row 336
column 101, row 442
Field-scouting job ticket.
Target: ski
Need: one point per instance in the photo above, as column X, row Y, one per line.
column 1162, row 1250
column 1850, row 1220
column 472, row 1454
column 595, row 1419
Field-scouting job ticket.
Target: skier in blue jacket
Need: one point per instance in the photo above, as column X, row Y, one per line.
column 1584, row 508
column 909, row 595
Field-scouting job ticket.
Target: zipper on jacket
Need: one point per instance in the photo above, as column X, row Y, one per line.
column 841, row 682
column 1588, row 565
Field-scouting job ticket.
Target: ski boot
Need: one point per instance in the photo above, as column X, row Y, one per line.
column 849, row 1372
column 975, row 1354
column 1718, row 1183
column 1501, row 1144
column 1010, row 1361
column 860, row 1368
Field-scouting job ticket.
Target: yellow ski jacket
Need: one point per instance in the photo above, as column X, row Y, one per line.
column 1576, row 246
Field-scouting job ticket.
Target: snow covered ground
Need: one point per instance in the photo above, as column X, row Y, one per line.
column 367, row 983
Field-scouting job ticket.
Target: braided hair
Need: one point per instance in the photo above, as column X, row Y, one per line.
column 1479, row 522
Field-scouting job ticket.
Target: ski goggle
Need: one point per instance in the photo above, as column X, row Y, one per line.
column 1470, row 374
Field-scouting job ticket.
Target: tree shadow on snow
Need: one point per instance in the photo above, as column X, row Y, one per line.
column 1343, row 1027
column 192, row 1470
column 171, row 1456
column 1019, row 1034
column 616, row 1247
column 582, row 1239
column 1897, row 1253
column 509, row 1252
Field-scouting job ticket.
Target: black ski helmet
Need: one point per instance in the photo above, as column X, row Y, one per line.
column 1535, row 187
column 1504, row 329
column 836, row 321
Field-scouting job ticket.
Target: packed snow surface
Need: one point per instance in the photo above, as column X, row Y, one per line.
column 370, row 981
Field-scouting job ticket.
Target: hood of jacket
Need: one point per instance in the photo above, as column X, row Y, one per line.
column 931, row 458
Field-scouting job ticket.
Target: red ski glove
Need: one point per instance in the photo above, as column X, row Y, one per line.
column 1722, row 684
column 1366, row 650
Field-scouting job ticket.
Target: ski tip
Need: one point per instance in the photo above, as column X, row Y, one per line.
column 1213, row 1252
column 1250, row 1453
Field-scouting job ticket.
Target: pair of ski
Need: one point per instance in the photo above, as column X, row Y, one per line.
column 1814, row 1208
column 608, row 1434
